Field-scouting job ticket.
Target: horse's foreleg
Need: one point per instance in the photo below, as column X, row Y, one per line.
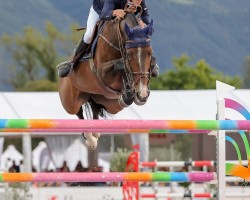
column 96, row 116
column 91, row 138
column 80, row 116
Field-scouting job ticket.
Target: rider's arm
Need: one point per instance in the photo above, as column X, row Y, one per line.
column 144, row 15
column 109, row 10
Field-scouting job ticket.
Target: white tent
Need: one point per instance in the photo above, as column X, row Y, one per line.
column 8, row 156
column 41, row 159
column 181, row 104
column 161, row 105
column 1, row 146
column 76, row 152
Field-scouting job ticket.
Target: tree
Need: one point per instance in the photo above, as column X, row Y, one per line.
column 35, row 55
column 246, row 73
column 186, row 76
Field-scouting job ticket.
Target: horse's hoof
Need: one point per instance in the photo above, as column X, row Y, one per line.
column 91, row 144
column 91, row 141
column 96, row 135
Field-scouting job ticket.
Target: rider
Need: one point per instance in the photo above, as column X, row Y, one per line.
column 104, row 10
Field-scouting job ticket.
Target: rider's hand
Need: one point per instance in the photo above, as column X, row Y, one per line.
column 131, row 8
column 119, row 13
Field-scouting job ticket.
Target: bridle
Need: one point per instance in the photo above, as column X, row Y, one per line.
column 123, row 50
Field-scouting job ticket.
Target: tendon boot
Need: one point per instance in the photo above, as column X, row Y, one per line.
column 65, row 68
column 154, row 67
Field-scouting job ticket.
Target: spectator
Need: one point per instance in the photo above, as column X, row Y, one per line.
column 14, row 168
column 64, row 168
column 79, row 167
column 21, row 166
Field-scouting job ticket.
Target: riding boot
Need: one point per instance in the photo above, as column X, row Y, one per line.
column 154, row 67
column 65, row 68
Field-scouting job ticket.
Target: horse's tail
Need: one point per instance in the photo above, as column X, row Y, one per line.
column 93, row 109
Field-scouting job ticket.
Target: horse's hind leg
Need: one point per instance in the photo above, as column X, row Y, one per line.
column 91, row 138
column 80, row 113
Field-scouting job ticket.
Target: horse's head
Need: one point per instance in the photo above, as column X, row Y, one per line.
column 139, row 53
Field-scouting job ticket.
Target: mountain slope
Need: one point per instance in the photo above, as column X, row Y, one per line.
column 215, row 30
column 17, row 14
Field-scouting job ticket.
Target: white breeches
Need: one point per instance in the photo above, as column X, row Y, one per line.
column 93, row 18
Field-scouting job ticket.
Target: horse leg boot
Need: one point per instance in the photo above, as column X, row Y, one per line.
column 64, row 69
column 154, row 67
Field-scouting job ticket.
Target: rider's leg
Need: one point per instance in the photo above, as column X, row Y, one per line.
column 154, row 67
column 65, row 69
column 82, row 46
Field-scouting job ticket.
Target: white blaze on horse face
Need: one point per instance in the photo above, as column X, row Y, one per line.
column 143, row 89
column 139, row 57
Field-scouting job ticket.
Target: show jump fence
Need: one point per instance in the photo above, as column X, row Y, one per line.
column 118, row 126
column 109, row 177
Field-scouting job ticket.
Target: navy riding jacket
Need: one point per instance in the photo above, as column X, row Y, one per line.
column 111, row 5
column 98, row 5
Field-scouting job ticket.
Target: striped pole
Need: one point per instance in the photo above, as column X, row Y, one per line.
column 128, row 126
column 193, row 195
column 179, row 195
column 194, row 163
column 110, row 177
column 201, row 163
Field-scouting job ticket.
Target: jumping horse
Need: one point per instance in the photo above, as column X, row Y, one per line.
column 117, row 75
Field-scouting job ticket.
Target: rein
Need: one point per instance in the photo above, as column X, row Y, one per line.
column 110, row 44
column 124, row 56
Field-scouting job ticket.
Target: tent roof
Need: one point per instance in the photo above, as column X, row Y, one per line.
column 9, row 155
column 181, row 104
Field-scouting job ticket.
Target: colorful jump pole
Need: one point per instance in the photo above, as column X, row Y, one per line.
column 133, row 126
column 193, row 195
column 179, row 195
column 109, row 177
column 193, row 163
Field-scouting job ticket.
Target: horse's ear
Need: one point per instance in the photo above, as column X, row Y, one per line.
column 149, row 28
column 127, row 30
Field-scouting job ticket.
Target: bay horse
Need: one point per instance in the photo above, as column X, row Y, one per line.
column 117, row 75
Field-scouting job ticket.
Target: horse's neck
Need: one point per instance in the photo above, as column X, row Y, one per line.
column 113, row 25
column 115, row 36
